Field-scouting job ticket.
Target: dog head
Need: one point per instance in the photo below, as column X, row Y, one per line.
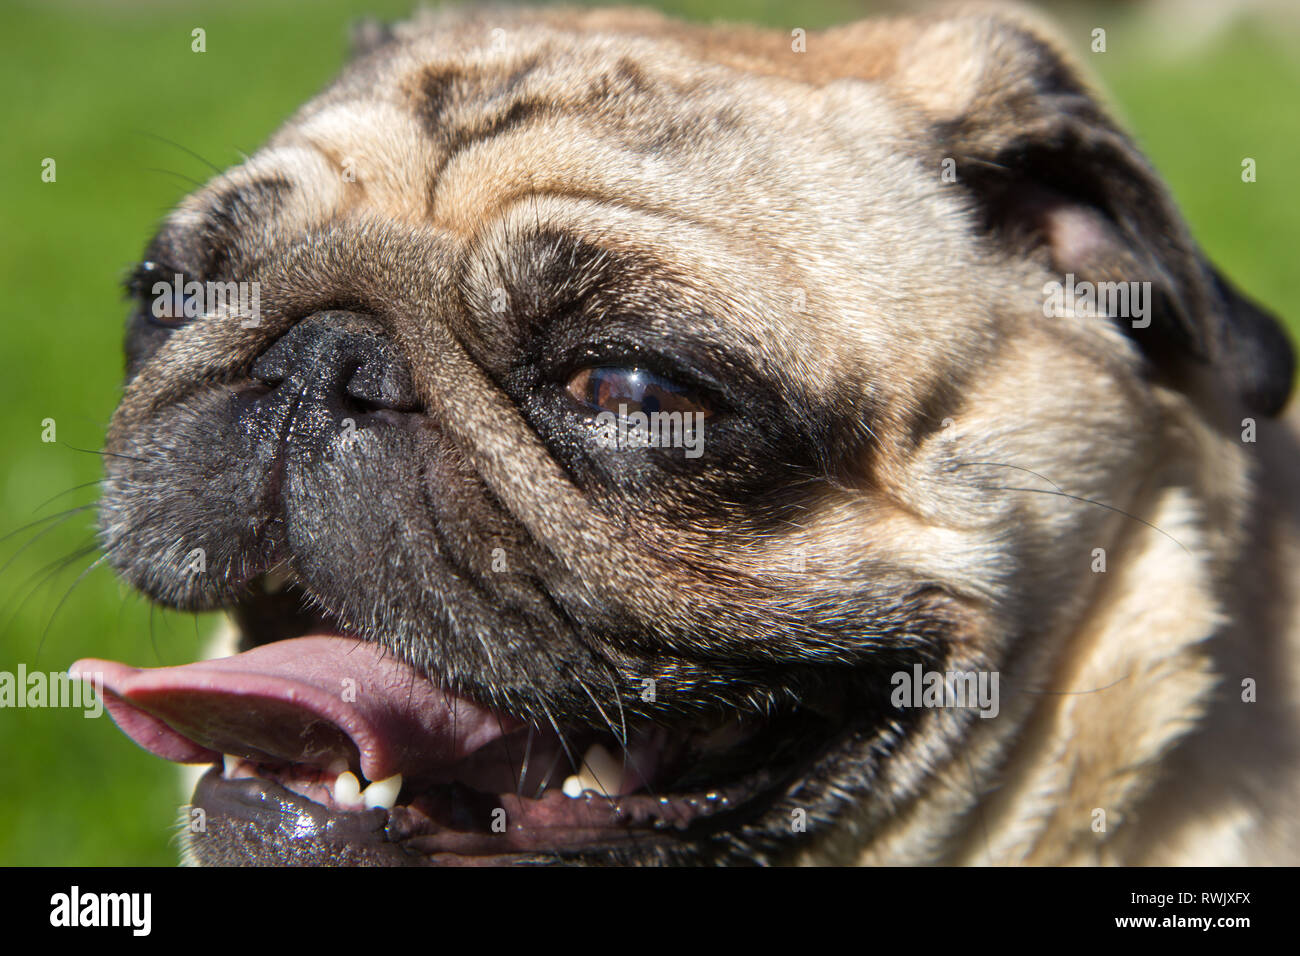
column 404, row 451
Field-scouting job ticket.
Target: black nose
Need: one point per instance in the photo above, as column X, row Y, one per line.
column 330, row 376
column 340, row 362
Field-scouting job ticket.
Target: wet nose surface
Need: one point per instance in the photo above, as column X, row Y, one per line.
column 340, row 361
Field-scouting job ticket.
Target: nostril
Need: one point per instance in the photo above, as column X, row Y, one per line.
column 341, row 360
column 271, row 367
column 382, row 383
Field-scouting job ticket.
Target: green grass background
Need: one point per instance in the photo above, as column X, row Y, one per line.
column 92, row 84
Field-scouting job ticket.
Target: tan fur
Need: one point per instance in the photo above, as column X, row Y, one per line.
column 814, row 180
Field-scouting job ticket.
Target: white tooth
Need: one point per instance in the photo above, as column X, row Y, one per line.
column 230, row 763
column 347, row 789
column 383, row 793
column 600, row 772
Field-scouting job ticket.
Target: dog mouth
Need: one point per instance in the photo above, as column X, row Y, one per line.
column 325, row 747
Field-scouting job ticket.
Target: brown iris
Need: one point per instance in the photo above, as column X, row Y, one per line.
column 628, row 390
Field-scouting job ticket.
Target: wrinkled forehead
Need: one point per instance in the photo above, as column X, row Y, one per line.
column 781, row 200
column 449, row 127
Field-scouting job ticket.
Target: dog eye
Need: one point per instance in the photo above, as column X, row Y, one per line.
column 627, row 390
column 163, row 296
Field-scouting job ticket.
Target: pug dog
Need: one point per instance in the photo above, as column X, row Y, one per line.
column 619, row 441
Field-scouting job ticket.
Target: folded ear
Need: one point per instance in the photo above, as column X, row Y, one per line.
column 1051, row 173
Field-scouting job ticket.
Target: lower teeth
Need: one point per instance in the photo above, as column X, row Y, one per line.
column 381, row 793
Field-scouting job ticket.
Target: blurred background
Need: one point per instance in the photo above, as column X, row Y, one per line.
column 133, row 119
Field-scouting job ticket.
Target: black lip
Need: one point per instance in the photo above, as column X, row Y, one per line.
column 263, row 823
column 257, row 821
column 286, row 828
column 253, row 820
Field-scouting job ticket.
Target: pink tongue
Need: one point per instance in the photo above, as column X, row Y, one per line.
column 309, row 700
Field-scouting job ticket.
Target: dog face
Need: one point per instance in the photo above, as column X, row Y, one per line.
column 492, row 237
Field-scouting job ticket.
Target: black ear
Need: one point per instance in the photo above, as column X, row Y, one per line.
column 1053, row 175
column 1256, row 351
